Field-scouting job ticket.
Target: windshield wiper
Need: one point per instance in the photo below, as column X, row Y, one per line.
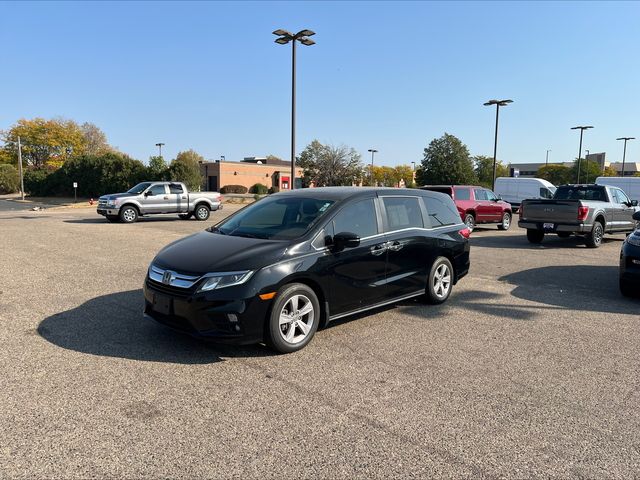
column 247, row 235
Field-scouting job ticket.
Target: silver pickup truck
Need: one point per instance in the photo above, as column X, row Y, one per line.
column 589, row 210
column 149, row 198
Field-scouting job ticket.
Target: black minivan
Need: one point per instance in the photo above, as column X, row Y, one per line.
column 288, row 264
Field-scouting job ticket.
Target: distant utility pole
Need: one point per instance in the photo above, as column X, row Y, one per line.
column 624, row 155
column 372, row 153
column 159, row 145
column 20, row 169
column 546, row 162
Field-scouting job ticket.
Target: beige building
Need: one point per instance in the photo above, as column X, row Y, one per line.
column 248, row 172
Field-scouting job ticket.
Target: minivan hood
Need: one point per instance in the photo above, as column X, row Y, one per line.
column 207, row 252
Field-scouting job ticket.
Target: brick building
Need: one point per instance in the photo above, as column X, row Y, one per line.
column 248, row 172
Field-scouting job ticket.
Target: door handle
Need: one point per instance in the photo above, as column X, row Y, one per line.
column 184, row 198
column 379, row 249
column 395, row 246
column 166, row 198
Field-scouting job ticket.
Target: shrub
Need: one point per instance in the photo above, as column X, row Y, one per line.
column 233, row 189
column 259, row 188
column 274, row 189
column 35, row 180
column 9, row 179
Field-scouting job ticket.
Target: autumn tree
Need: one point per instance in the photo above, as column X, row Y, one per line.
column 554, row 173
column 609, row 172
column 329, row 165
column 446, row 161
column 44, row 142
column 185, row 168
column 94, row 139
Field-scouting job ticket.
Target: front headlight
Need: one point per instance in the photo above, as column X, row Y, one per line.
column 634, row 239
column 111, row 203
column 214, row 281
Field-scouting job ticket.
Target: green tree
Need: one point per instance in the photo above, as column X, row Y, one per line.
column 446, row 161
column 158, row 169
column 44, row 142
column 405, row 173
column 186, row 168
column 609, row 172
column 9, row 179
column 328, row 165
column 556, row 174
column 589, row 171
column 484, row 170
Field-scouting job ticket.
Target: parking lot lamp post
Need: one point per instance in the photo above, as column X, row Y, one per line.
column 582, row 129
column 624, row 154
column 371, row 173
column 159, row 145
column 546, row 162
column 285, row 37
column 498, row 104
column 586, row 159
column 20, row 169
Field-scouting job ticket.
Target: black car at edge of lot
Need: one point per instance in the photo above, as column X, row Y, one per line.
column 630, row 263
column 286, row 265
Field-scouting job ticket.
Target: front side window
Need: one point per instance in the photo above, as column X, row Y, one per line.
column 480, row 194
column 622, row 197
column 157, row 190
column 277, row 218
column 403, row 212
column 441, row 212
column 490, row 195
column 359, row 218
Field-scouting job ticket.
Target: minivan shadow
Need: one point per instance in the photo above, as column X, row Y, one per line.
column 113, row 326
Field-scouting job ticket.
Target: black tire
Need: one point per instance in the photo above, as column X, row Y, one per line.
column 128, row 214
column 470, row 221
column 112, row 218
column 438, row 290
column 564, row 234
column 506, row 221
column 201, row 212
column 184, row 216
column 594, row 237
column 535, row 236
column 627, row 289
column 276, row 332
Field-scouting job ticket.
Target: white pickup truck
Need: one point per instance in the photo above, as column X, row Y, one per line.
column 149, row 198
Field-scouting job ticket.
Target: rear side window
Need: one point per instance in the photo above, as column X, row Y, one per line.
column 441, row 211
column 403, row 212
column 175, row 188
column 359, row 218
column 463, row 194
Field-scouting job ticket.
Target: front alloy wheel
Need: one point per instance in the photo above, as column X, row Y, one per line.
column 440, row 281
column 294, row 318
column 128, row 215
column 506, row 221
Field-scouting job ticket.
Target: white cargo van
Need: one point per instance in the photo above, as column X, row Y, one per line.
column 630, row 185
column 516, row 189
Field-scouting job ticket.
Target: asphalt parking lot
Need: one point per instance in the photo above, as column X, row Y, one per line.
column 530, row 370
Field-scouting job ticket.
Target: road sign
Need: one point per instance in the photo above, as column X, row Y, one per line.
column 75, row 184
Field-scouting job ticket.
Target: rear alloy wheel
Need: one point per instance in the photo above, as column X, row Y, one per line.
column 128, row 215
column 440, row 281
column 202, row 213
column 470, row 221
column 535, row 236
column 506, row 221
column 594, row 237
column 627, row 289
column 294, row 319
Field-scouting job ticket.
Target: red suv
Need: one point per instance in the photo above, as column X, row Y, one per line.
column 477, row 205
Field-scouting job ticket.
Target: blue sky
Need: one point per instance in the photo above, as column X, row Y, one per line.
column 387, row 75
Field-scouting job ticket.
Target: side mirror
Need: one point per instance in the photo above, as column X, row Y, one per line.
column 634, row 203
column 636, row 216
column 344, row 240
column 148, row 193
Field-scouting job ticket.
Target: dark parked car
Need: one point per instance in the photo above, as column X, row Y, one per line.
column 630, row 263
column 288, row 264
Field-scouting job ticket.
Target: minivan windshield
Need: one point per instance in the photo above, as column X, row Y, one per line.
column 277, row 218
column 139, row 188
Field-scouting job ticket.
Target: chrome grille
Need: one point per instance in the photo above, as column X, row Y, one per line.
column 170, row 278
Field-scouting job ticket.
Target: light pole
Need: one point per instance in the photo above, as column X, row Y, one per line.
column 159, row 145
column 498, row 104
column 624, row 154
column 586, row 159
column 372, row 152
column 20, row 169
column 285, row 37
column 582, row 129
column 546, row 162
